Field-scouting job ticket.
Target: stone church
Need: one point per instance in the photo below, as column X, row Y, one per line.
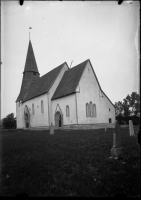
column 64, row 97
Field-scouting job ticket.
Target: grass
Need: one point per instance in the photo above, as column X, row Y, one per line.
column 69, row 163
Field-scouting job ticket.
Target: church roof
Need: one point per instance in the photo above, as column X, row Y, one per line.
column 69, row 81
column 43, row 84
column 30, row 64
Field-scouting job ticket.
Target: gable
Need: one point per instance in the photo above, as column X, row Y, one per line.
column 100, row 89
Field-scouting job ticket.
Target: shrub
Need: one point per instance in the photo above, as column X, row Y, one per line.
column 9, row 121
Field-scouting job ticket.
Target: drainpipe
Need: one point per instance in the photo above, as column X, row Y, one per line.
column 48, row 109
column 76, row 108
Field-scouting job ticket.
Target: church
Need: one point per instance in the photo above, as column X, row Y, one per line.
column 64, row 97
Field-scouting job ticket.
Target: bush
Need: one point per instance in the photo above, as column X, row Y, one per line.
column 9, row 121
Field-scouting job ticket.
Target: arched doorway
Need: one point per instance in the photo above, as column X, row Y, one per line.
column 26, row 120
column 58, row 119
column 26, row 117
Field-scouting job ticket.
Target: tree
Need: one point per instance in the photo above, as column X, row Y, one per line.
column 129, row 107
column 9, row 121
column 118, row 108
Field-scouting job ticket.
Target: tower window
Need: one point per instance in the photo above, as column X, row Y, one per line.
column 109, row 109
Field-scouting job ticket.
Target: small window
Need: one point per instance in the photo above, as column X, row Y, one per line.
column 67, row 111
column 42, row 106
column 33, row 111
column 109, row 109
column 110, row 120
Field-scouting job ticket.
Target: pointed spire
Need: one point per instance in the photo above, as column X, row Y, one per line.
column 30, row 73
column 30, row 64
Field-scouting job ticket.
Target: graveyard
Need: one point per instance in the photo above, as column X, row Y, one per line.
column 69, row 163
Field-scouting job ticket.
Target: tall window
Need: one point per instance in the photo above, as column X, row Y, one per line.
column 87, row 110
column 33, row 111
column 91, row 108
column 42, row 106
column 67, row 111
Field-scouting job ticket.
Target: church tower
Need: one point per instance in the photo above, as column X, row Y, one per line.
column 30, row 72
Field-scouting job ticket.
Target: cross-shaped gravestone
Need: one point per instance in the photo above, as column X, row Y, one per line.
column 117, row 149
column 131, row 129
column 52, row 130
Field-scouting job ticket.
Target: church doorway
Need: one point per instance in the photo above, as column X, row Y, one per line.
column 26, row 120
column 58, row 119
column 27, row 117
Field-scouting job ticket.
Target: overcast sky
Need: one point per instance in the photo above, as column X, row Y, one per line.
column 104, row 32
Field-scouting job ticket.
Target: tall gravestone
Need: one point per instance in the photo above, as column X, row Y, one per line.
column 131, row 129
column 52, row 129
column 117, row 149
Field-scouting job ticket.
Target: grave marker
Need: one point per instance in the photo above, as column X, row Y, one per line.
column 52, row 130
column 117, row 149
column 131, row 128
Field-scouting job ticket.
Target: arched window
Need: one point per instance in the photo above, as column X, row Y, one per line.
column 33, row 111
column 67, row 111
column 94, row 110
column 87, row 110
column 91, row 108
column 42, row 106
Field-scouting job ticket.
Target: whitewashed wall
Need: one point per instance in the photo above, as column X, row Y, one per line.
column 19, row 116
column 90, row 91
column 38, row 118
column 62, row 103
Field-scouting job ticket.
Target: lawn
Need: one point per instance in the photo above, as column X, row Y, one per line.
column 69, row 163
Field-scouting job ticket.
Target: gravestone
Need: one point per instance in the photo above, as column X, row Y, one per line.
column 117, row 149
column 131, row 129
column 52, row 130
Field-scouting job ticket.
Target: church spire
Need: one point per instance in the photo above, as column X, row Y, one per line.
column 31, row 73
column 30, row 64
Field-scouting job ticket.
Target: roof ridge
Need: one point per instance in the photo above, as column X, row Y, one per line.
column 80, row 64
column 53, row 69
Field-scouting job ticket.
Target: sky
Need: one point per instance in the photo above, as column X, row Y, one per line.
column 104, row 32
